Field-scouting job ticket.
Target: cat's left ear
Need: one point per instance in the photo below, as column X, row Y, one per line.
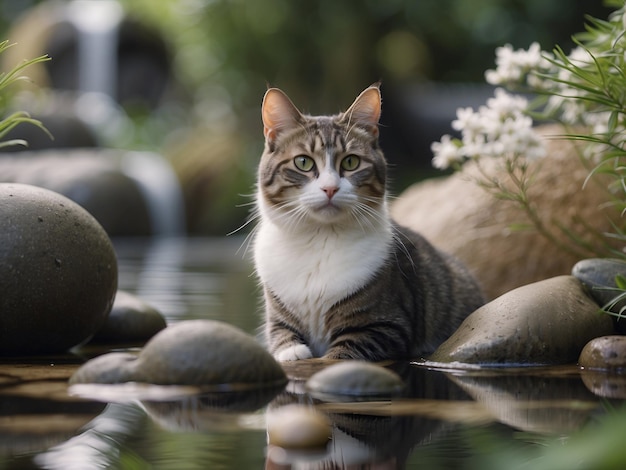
column 365, row 111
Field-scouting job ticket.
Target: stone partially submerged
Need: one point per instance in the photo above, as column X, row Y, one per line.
column 546, row 322
column 351, row 380
column 194, row 352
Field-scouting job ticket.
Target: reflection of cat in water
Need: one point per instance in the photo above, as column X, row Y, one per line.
column 341, row 279
column 362, row 441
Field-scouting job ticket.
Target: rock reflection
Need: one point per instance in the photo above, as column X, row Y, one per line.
column 605, row 384
column 210, row 411
column 32, row 424
column 535, row 402
column 98, row 446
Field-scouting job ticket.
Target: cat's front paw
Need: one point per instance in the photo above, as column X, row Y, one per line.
column 293, row 353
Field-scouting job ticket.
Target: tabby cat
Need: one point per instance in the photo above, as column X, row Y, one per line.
column 341, row 280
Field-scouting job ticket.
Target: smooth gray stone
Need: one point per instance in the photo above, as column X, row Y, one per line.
column 58, row 272
column 131, row 319
column 598, row 276
column 193, row 352
column 546, row 322
column 354, row 379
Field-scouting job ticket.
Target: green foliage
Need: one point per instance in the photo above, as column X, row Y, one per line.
column 16, row 118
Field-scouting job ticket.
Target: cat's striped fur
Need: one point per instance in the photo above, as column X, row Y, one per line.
column 340, row 279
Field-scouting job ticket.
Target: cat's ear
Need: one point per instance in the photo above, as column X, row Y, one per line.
column 365, row 111
column 279, row 114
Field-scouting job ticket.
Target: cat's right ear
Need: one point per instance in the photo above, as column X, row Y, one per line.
column 279, row 114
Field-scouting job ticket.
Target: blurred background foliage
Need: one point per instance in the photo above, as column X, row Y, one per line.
column 220, row 55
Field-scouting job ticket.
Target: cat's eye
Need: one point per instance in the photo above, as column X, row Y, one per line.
column 350, row 163
column 304, row 163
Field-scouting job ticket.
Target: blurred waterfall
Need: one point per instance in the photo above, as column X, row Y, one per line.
column 97, row 23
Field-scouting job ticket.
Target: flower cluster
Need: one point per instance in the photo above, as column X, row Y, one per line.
column 520, row 67
column 501, row 128
column 583, row 89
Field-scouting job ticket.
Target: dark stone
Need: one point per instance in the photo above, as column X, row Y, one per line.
column 598, row 276
column 131, row 319
column 58, row 272
column 193, row 352
column 546, row 322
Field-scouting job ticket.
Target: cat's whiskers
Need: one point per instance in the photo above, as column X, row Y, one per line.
column 366, row 217
column 403, row 249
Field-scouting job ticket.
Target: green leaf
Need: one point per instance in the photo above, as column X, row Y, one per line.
column 620, row 281
column 613, row 119
column 19, row 117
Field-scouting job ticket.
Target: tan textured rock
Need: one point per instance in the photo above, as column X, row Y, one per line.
column 458, row 216
column 546, row 322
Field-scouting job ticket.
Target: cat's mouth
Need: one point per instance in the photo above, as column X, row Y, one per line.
column 328, row 212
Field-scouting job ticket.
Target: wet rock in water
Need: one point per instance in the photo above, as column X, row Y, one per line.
column 546, row 322
column 605, row 352
column 355, row 379
column 298, row 427
column 598, row 276
column 58, row 272
column 131, row 319
column 194, row 352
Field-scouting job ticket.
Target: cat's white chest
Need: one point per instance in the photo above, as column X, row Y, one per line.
column 311, row 271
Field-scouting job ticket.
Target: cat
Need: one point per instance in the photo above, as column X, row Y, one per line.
column 341, row 280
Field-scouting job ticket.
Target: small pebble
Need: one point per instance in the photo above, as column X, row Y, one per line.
column 298, row 427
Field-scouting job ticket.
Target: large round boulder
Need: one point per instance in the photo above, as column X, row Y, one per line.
column 58, row 272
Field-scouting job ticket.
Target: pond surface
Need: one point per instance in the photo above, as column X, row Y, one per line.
column 541, row 418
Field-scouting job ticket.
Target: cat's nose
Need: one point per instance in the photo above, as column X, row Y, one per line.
column 330, row 191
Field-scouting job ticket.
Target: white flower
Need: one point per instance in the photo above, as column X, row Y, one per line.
column 518, row 66
column 505, row 104
column 445, row 153
column 499, row 129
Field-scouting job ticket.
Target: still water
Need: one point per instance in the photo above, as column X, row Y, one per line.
column 548, row 418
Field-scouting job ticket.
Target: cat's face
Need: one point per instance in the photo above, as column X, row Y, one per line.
column 323, row 170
